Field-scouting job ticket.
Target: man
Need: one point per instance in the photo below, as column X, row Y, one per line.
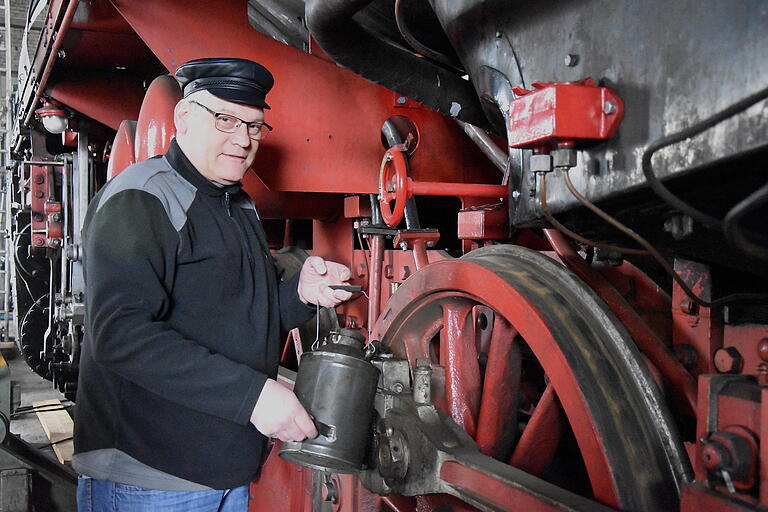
column 184, row 310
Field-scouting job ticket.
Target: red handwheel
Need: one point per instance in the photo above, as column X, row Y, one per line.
column 393, row 186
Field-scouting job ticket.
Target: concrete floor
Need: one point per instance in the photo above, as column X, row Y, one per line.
column 33, row 389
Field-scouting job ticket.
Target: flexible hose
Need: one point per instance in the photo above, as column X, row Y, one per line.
column 552, row 220
column 736, row 297
column 662, row 191
column 732, row 228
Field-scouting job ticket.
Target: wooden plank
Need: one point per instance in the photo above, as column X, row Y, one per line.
column 57, row 425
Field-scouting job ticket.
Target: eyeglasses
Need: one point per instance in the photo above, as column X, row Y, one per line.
column 228, row 123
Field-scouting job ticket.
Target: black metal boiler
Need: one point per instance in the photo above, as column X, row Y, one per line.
column 337, row 385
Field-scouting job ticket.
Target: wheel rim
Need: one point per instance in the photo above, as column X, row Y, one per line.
column 630, row 453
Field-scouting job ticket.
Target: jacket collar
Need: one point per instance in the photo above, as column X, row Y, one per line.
column 183, row 166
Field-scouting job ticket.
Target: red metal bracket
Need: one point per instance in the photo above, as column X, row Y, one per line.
column 563, row 112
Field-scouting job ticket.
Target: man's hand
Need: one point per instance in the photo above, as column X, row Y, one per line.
column 316, row 277
column 279, row 414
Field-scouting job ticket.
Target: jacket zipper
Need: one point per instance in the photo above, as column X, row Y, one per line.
column 243, row 236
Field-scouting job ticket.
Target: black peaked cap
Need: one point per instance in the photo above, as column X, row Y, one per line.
column 238, row 80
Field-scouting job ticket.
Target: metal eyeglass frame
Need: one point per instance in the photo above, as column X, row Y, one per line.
column 242, row 121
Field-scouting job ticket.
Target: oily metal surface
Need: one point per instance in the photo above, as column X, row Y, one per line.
column 672, row 64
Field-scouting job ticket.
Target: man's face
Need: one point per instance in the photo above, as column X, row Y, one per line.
column 219, row 156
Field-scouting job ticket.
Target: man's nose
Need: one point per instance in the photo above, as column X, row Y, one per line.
column 240, row 136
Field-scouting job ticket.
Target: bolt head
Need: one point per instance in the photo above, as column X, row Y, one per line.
column 515, row 194
column 401, row 100
column 609, row 107
column 762, row 349
column 404, row 245
column 728, row 360
column 571, row 60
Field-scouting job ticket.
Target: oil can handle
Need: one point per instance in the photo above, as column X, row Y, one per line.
column 327, row 431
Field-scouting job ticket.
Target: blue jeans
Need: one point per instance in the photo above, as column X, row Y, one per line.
column 105, row 496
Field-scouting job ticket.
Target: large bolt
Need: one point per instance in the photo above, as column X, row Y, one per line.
column 728, row 360
column 609, row 108
column 571, row 60
column 762, row 349
column 715, row 456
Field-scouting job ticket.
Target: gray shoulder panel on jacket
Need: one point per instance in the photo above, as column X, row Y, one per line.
column 155, row 176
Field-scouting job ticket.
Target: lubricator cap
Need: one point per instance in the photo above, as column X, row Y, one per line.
column 238, row 80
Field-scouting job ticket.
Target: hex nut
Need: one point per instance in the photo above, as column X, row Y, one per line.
column 571, row 60
column 541, row 163
column 564, row 158
column 728, row 360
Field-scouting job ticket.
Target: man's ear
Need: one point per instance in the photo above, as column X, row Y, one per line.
column 181, row 117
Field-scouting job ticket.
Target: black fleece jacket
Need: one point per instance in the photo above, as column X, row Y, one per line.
column 183, row 315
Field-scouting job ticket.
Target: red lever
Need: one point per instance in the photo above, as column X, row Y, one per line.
column 395, row 185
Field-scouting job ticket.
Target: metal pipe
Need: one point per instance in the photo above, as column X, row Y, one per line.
column 420, row 254
column 8, row 249
column 374, row 280
column 7, row 245
column 63, row 29
column 486, row 144
column 333, row 25
column 42, row 163
column 436, row 188
column 648, row 341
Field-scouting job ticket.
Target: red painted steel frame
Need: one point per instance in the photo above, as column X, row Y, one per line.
column 312, row 148
column 122, row 154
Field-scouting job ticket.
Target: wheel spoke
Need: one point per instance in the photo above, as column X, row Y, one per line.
column 458, row 354
column 496, row 426
column 540, row 438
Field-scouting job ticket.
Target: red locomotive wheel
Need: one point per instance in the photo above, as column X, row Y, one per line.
column 540, row 374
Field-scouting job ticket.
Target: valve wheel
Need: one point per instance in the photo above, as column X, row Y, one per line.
column 523, row 342
column 393, row 186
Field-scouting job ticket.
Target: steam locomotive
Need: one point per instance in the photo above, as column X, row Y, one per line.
column 555, row 211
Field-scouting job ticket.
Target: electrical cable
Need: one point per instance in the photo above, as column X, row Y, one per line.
column 548, row 215
column 731, row 223
column 48, row 445
column 16, row 250
column 657, row 255
column 662, row 191
column 40, row 409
